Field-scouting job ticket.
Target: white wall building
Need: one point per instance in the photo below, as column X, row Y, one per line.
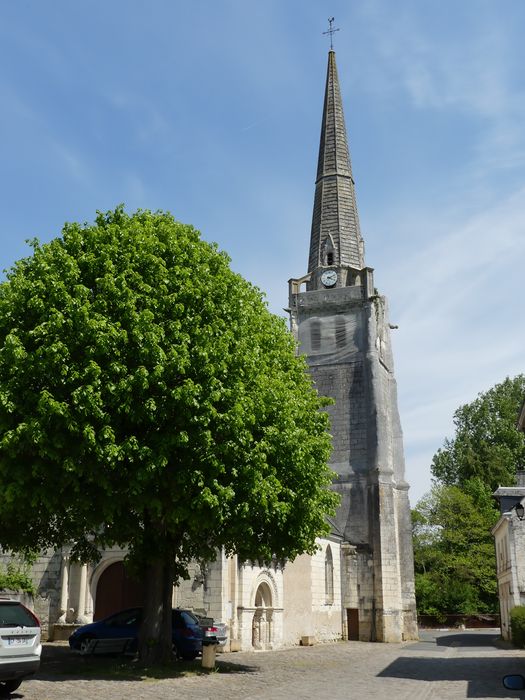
column 509, row 541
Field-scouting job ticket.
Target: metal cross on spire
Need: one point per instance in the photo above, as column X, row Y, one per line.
column 331, row 31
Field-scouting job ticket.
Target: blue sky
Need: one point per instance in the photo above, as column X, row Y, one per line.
column 212, row 108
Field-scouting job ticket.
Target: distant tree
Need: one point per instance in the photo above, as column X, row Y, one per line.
column 487, row 444
column 453, row 546
column 148, row 398
column 454, row 551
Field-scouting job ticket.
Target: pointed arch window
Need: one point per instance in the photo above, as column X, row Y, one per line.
column 329, row 576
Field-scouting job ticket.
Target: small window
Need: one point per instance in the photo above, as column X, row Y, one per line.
column 329, row 576
column 330, row 258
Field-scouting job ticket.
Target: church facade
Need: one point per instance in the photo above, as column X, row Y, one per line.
column 360, row 582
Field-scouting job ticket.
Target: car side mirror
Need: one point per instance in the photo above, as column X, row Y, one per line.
column 515, row 682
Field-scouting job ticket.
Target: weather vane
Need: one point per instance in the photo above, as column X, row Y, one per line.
column 331, row 31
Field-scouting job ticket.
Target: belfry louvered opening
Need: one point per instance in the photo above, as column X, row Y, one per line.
column 340, row 332
column 315, row 334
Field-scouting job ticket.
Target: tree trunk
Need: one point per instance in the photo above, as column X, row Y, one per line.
column 155, row 636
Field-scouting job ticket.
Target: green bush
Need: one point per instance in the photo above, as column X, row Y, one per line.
column 16, row 577
column 517, row 625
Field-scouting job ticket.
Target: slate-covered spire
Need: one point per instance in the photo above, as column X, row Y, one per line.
column 336, row 238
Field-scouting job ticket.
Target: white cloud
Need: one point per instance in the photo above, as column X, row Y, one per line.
column 467, row 72
column 441, row 70
column 458, row 307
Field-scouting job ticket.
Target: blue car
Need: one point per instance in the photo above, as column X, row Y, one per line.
column 186, row 632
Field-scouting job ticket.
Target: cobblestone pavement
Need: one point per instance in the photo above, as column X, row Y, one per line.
column 441, row 666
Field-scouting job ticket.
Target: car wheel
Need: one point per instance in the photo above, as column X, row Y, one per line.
column 189, row 655
column 83, row 646
column 9, row 686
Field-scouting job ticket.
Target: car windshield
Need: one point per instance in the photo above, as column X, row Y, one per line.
column 15, row 615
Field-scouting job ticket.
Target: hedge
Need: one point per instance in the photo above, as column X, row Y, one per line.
column 517, row 625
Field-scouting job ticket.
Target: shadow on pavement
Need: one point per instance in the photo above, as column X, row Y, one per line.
column 482, row 675
column 468, row 639
column 473, row 639
column 60, row 663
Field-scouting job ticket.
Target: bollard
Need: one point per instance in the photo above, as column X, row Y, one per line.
column 208, row 655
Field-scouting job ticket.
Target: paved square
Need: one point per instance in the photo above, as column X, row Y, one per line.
column 441, row 666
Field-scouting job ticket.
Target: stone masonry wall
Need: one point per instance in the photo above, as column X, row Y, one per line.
column 347, row 342
column 45, row 574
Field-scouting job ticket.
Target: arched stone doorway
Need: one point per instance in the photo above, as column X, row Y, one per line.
column 262, row 625
column 116, row 590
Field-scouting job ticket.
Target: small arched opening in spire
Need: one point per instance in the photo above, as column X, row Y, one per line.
column 328, row 252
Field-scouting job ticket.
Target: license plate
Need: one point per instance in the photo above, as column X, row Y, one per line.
column 18, row 641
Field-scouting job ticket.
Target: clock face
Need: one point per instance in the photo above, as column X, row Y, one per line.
column 329, row 278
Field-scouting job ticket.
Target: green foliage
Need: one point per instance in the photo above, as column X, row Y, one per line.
column 148, row 397
column 454, row 551
column 453, row 546
column 15, row 576
column 487, row 444
column 517, row 625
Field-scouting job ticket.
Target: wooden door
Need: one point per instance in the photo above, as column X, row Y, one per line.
column 117, row 590
column 352, row 617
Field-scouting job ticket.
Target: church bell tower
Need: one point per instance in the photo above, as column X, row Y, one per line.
column 341, row 324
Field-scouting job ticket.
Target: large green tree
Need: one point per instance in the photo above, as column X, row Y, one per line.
column 487, row 444
column 454, row 551
column 148, row 398
column 453, row 545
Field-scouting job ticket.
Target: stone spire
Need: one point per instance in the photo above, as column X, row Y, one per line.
column 336, row 238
